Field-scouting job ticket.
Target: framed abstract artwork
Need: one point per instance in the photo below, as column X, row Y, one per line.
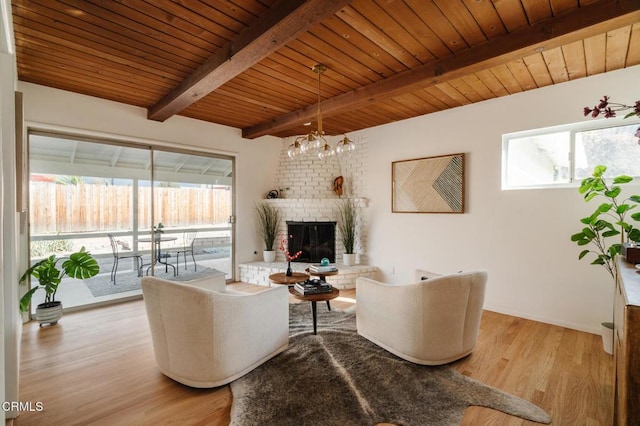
column 428, row 185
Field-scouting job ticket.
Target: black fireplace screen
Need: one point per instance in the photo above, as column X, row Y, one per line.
column 316, row 240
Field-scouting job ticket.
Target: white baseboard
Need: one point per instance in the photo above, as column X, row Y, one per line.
column 573, row 326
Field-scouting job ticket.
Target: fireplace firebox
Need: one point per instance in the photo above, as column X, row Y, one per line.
column 316, row 240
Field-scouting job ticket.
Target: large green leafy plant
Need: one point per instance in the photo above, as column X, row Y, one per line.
column 79, row 265
column 608, row 220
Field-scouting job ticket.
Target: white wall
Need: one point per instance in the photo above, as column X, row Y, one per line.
column 520, row 237
column 255, row 159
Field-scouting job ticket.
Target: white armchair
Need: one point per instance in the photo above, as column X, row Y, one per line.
column 204, row 336
column 431, row 322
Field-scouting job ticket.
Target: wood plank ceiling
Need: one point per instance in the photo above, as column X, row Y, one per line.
column 247, row 63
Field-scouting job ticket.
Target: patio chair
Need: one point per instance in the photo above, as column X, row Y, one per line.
column 117, row 256
column 188, row 238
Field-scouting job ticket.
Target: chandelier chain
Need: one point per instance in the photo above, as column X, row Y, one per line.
column 314, row 141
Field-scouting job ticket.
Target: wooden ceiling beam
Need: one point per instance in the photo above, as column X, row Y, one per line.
column 586, row 21
column 283, row 23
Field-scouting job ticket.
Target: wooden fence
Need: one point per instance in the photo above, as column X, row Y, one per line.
column 59, row 208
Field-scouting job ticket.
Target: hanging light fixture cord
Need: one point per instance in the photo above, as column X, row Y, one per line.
column 315, row 140
column 319, row 69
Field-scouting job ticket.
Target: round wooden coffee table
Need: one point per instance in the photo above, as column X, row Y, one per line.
column 282, row 278
column 322, row 275
column 314, row 298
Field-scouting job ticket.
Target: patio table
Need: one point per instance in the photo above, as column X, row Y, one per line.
column 158, row 257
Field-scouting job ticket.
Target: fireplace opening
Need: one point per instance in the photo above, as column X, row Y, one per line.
column 316, row 240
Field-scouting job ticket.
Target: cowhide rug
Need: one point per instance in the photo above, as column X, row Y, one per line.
column 339, row 378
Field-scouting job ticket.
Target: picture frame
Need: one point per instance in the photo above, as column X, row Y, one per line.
column 428, row 185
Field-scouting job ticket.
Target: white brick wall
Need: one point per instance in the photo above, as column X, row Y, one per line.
column 309, row 177
column 306, row 189
column 306, row 194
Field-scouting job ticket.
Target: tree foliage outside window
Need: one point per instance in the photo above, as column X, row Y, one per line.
column 614, row 146
column 562, row 156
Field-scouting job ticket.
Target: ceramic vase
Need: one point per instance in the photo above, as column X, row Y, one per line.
column 49, row 313
column 269, row 256
column 349, row 259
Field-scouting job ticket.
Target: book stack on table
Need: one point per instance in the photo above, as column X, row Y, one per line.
column 313, row 287
column 318, row 269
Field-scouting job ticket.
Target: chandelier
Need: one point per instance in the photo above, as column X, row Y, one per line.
column 314, row 142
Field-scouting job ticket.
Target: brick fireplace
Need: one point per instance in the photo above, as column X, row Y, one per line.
column 313, row 240
column 317, row 210
column 306, row 193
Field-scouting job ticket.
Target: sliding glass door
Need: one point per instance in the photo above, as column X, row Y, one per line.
column 137, row 209
column 192, row 204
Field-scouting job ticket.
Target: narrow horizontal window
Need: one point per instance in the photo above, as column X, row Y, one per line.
column 560, row 156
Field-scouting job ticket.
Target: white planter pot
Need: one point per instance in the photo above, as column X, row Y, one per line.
column 269, row 255
column 349, row 259
column 49, row 313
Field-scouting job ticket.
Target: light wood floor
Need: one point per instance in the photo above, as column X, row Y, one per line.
column 97, row 367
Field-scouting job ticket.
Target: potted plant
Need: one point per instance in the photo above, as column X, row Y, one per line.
column 608, row 220
column 269, row 221
column 158, row 230
column 347, row 219
column 79, row 265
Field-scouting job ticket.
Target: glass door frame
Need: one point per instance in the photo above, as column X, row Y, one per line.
column 152, row 150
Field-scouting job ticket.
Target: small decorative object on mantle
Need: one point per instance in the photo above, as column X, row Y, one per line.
column 428, row 185
column 337, row 185
column 288, row 256
column 610, row 109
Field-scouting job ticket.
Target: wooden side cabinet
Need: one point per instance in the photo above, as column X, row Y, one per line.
column 626, row 344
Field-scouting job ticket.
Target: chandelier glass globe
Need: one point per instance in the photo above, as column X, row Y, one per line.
column 294, row 150
column 345, row 146
column 326, row 151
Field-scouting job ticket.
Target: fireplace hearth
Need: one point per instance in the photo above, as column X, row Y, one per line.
column 316, row 240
